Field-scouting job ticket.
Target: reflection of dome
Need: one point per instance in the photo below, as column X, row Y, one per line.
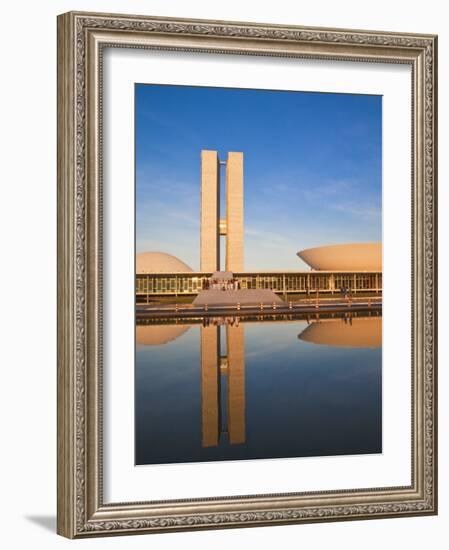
column 156, row 335
column 160, row 262
column 362, row 332
column 344, row 257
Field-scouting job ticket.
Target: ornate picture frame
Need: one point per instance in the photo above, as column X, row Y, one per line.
column 82, row 39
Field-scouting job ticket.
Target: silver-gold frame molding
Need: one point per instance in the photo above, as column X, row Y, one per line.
column 81, row 39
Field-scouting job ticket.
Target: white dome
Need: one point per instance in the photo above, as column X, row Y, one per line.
column 159, row 262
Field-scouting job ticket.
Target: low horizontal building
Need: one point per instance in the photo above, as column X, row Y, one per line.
column 285, row 283
column 356, row 268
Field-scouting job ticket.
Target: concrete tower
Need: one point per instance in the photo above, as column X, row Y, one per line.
column 212, row 225
column 210, row 209
column 214, row 367
column 234, row 212
column 210, row 385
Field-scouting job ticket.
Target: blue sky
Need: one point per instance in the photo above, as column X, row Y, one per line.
column 312, row 168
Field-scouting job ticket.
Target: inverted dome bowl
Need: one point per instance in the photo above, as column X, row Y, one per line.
column 344, row 257
column 363, row 332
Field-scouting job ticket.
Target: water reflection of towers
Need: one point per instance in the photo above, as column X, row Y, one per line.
column 222, row 385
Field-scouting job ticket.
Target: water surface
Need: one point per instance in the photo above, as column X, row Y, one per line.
column 246, row 390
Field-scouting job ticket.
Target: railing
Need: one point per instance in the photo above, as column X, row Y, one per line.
column 304, row 306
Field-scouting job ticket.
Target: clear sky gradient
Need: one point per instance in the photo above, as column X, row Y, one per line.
column 312, row 168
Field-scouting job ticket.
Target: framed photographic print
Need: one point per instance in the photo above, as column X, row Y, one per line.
column 246, row 274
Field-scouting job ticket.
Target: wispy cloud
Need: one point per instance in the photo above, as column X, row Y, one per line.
column 329, row 189
column 159, row 211
column 359, row 210
column 147, row 182
column 173, row 127
column 267, row 236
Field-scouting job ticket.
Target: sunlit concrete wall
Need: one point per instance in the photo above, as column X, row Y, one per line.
column 210, row 206
column 234, row 212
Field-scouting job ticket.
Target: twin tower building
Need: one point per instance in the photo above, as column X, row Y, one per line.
column 213, row 223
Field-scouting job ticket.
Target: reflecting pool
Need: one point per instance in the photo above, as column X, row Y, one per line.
column 232, row 388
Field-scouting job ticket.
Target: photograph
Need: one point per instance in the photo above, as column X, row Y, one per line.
column 229, row 213
column 258, row 262
column 247, row 273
